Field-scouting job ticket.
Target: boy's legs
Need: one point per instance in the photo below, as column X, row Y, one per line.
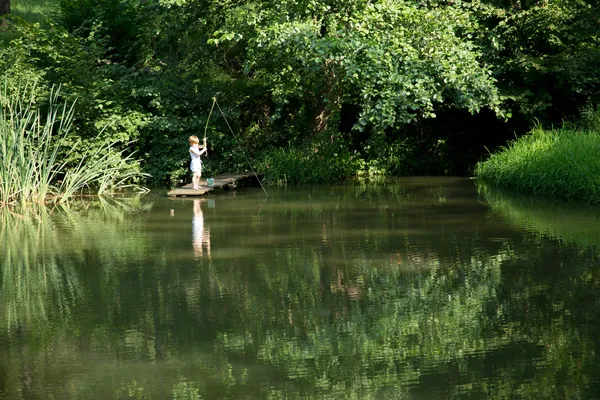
column 198, row 175
column 196, row 178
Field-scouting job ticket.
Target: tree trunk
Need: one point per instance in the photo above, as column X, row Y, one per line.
column 4, row 7
column 331, row 92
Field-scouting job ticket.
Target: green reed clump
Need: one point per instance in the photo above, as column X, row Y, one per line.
column 558, row 163
column 320, row 162
column 34, row 147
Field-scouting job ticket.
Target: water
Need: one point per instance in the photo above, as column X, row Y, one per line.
column 415, row 288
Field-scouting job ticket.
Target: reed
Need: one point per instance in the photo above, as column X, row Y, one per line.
column 560, row 163
column 35, row 145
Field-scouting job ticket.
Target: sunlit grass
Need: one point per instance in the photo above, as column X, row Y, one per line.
column 33, row 10
column 562, row 163
column 292, row 165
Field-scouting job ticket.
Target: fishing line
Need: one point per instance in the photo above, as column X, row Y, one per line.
column 239, row 145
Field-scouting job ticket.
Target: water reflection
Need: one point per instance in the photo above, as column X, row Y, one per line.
column 408, row 289
column 200, row 232
column 570, row 223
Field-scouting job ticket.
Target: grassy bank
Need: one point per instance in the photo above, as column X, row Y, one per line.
column 556, row 163
column 316, row 162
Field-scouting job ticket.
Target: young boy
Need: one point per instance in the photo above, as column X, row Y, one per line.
column 196, row 164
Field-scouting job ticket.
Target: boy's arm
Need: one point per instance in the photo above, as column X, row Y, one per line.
column 202, row 151
column 195, row 151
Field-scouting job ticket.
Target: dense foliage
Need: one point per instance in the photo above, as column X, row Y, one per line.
column 400, row 86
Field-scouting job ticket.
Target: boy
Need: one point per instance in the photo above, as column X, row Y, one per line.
column 196, row 164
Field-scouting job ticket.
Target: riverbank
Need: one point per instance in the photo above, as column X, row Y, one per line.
column 561, row 163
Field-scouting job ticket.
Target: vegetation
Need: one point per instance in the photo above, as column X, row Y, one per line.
column 320, row 161
column 33, row 10
column 558, row 163
column 37, row 156
column 402, row 87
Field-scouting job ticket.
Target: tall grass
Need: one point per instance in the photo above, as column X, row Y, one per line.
column 327, row 163
column 31, row 143
column 557, row 163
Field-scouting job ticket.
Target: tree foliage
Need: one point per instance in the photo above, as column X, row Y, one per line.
column 396, row 61
column 545, row 54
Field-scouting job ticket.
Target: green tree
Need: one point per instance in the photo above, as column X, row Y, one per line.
column 545, row 55
column 395, row 61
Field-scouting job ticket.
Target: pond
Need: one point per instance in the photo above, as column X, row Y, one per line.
column 416, row 288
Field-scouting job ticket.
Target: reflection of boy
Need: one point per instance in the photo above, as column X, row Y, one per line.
column 200, row 235
column 196, row 164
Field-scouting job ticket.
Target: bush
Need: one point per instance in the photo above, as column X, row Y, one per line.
column 559, row 163
column 106, row 110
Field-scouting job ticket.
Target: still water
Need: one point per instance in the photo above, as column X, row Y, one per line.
column 404, row 289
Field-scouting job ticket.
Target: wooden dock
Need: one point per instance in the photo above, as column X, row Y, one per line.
column 222, row 182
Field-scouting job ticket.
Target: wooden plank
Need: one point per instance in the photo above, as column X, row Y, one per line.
column 221, row 182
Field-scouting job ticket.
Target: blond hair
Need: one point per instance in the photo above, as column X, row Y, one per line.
column 194, row 139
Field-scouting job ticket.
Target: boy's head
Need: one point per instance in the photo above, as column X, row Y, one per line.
column 193, row 140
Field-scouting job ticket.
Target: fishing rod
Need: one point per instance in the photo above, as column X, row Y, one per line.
column 237, row 141
column 207, row 121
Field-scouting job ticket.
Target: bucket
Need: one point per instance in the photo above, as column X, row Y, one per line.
column 210, row 182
